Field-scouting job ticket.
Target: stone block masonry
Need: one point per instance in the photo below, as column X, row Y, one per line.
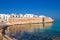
column 29, row 20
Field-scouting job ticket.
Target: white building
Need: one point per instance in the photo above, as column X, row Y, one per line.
column 36, row 16
column 21, row 15
column 28, row 15
column 13, row 15
column 42, row 16
column 4, row 17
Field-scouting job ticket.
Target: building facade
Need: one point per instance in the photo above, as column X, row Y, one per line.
column 4, row 17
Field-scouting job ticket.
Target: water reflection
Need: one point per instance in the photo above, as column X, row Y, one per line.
column 45, row 31
column 28, row 27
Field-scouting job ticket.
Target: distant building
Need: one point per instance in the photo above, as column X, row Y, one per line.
column 28, row 15
column 36, row 16
column 13, row 15
column 21, row 16
column 42, row 16
column 4, row 17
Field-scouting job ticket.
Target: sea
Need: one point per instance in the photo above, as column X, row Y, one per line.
column 46, row 31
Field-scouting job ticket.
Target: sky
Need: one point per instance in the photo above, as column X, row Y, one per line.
column 39, row 7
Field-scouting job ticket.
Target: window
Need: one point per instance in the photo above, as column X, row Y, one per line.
column 16, row 16
column 13, row 16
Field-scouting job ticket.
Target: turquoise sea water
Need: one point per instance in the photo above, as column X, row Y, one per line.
column 47, row 32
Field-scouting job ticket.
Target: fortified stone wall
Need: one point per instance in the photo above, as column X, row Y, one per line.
column 29, row 20
column 24, row 20
column 48, row 19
